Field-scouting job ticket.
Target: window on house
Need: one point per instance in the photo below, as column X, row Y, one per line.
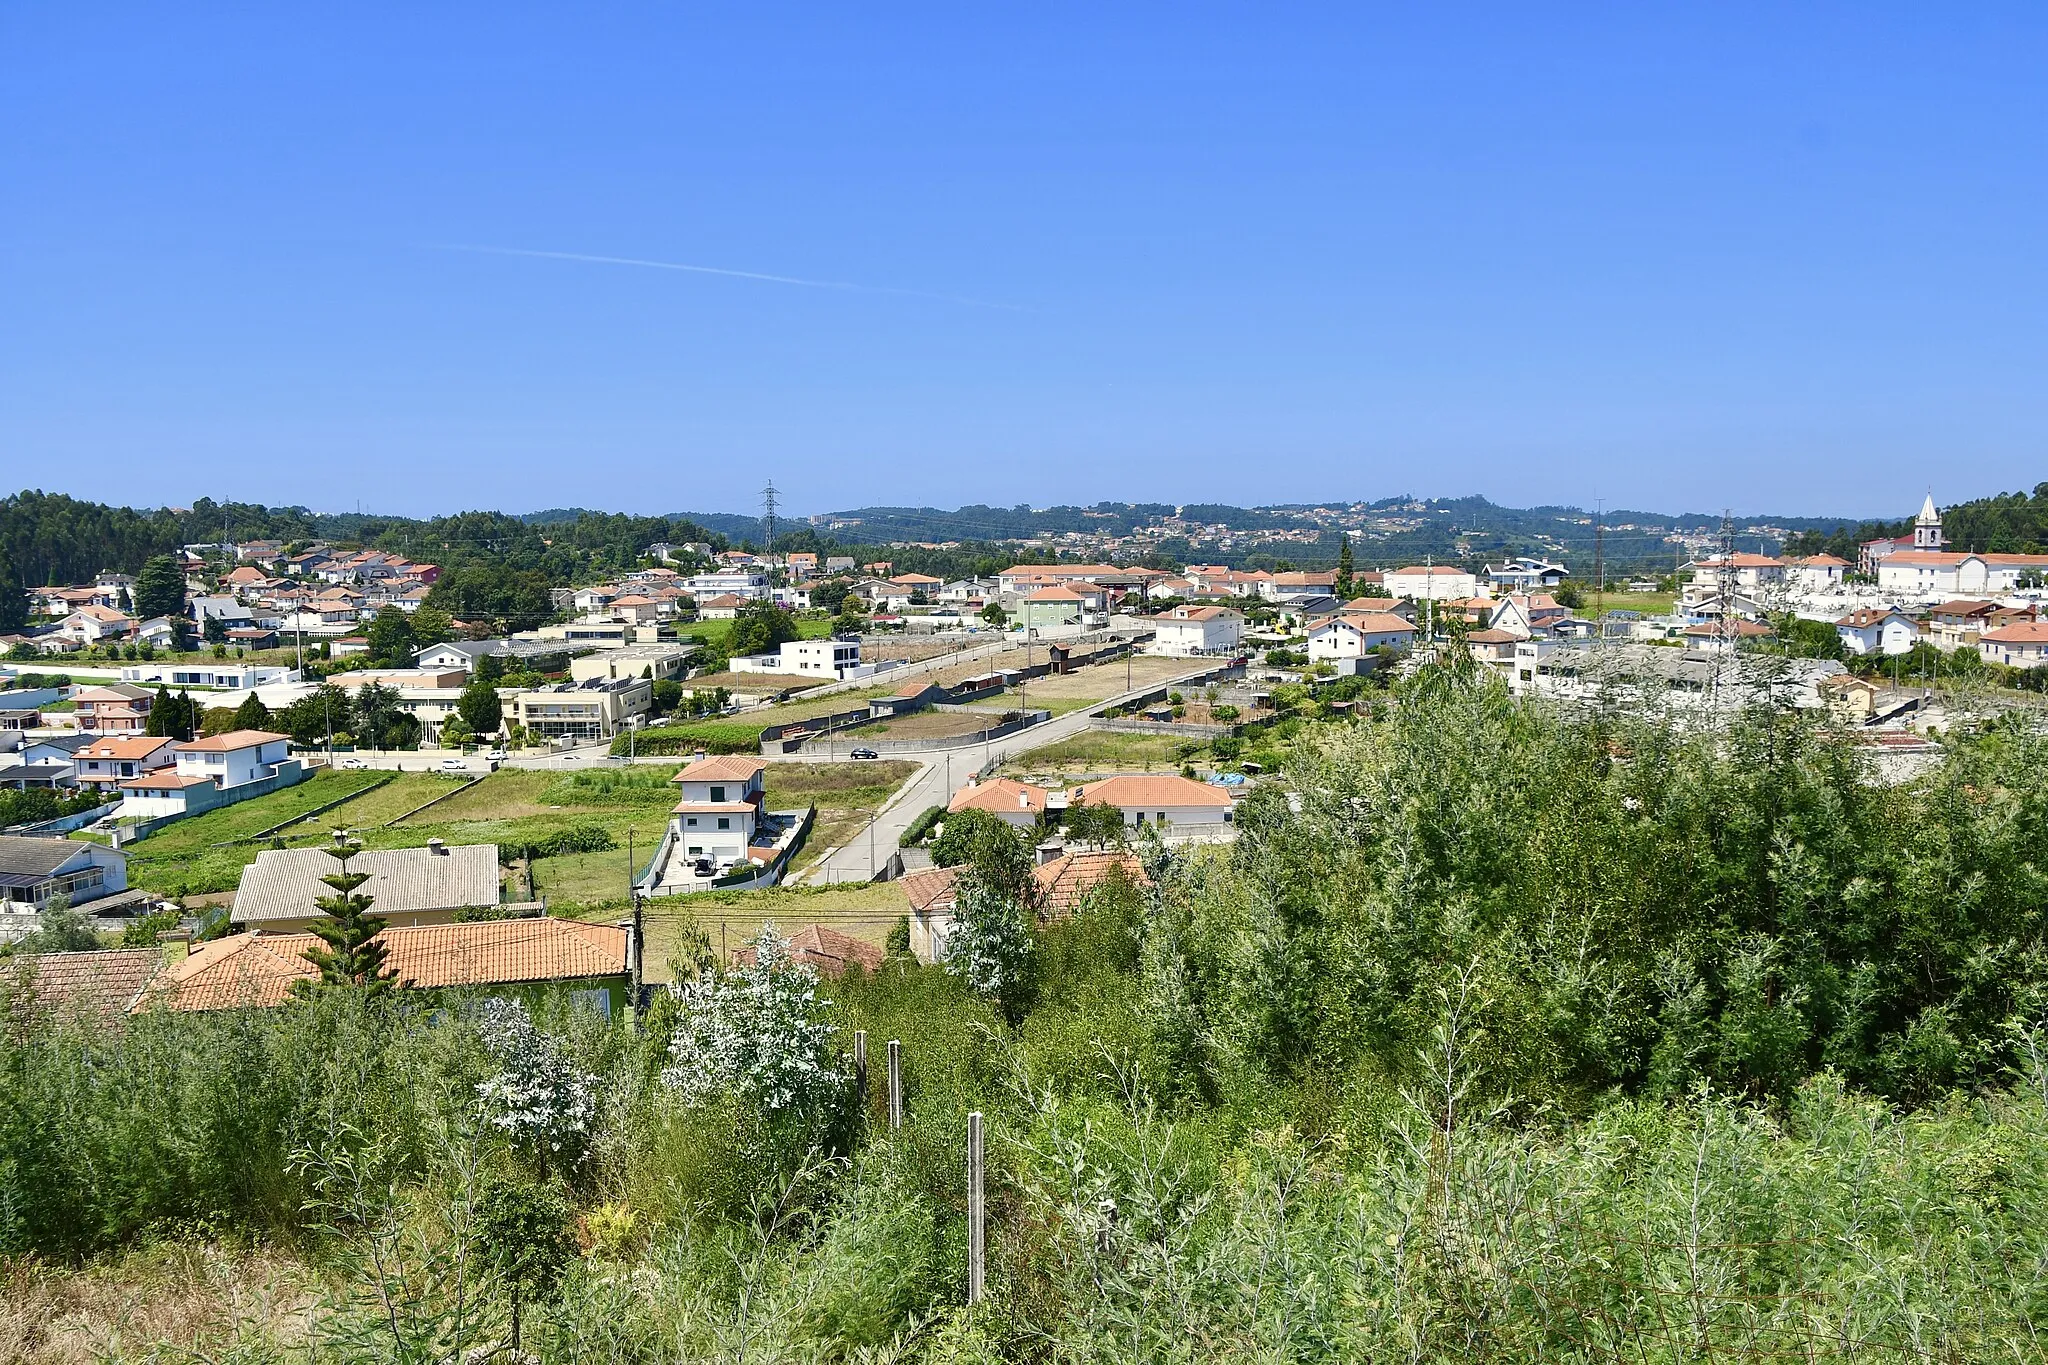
column 718, row 793
column 725, row 822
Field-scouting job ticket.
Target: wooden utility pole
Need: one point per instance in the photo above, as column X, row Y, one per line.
column 977, row 1214
column 895, row 1084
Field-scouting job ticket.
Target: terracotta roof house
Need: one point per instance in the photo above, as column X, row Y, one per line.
column 1175, row 804
column 258, row 969
column 2022, row 645
column 100, row 985
column 113, row 708
column 110, row 759
column 826, row 951
column 1062, row 883
column 1016, row 803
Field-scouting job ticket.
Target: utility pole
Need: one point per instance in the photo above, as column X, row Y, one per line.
column 977, row 1213
column 1599, row 566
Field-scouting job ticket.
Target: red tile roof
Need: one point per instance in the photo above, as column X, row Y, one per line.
column 1139, row 791
column 233, row 739
column 724, row 768
column 828, row 951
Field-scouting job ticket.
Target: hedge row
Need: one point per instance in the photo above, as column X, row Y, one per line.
column 712, row 736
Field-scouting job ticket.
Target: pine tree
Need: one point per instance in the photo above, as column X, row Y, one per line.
column 13, row 597
column 160, row 718
column 186, row 717
column 160, row 589
column 1345, row 577
column 351, row 955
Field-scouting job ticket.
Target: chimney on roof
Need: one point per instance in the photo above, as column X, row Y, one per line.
column 1049, row 850
column 438, row 848
column 1023, row 800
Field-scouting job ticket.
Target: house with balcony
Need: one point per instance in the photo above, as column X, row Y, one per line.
column 1355, row 635
column 1878, row 630
column 108, row 761
column 836, row 658
column 213, row 772
column 721, row 811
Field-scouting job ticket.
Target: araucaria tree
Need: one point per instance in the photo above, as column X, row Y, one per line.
column 350, row 954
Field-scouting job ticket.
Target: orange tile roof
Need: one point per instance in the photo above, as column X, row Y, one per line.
column 2021, row 633
column 258, row 969
column 826, row 950
column 1057, row 592
column 713, row 807
column 106, row 983
column 233, row 739
column 126, row 746
column 163, row 777
column 724, row 768
column 1066, row 879
column 1374, row 623
column 1148, row 792
column 999, row 794
column 930, row 887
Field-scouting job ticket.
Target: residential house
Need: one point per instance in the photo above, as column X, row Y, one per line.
column 1175, row 805
column 1440, row 582
column 1528, row 614
column 802, row 564
column 1523, row 574
column 748, row 584
column 105, row 763
column 213, row 772
column 1878, row 630
column 1753, row 575
column 1355, row 635
column 1061, row 882
column 113, row 708
column 1723, row 636
column 590, row 965
column 227, row 674
column 1187, row 632
column 827, row 952
column 2022, row 645
column 838, row 563
column 1959, row 624
column 411, row 886
column 1816, row 573
column 1936, row 573
column 1314, row 583
column 35, row 870
column 722, row 606
column 1053, row 607
column 1014, row 803
column 99, row 986
column 1493, row 646
column 721, row 809
column 95, row 625
column 837, row 657
column 634, row 661
column 1852, row 699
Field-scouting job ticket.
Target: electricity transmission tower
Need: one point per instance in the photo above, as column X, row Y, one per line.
column 768, row 518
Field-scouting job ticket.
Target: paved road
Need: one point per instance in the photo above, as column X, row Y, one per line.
column 862, row 857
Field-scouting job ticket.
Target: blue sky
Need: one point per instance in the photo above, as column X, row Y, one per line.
column 1667, row 257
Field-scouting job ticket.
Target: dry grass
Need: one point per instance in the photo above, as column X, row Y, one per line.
column 189, row 1297
column 932, row 724
column 1107, row 680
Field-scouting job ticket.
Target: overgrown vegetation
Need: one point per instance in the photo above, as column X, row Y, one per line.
column 1494, row 1036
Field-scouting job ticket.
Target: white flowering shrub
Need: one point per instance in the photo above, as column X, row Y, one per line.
column 755, row 1034
column 539, row 1099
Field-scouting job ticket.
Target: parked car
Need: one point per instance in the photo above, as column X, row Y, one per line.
column 352, row 764
column 702, row 867
column 497, row 755
column 454, row 765
column 865, row 753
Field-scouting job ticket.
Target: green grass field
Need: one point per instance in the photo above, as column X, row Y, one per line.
column 511, row 808
column 728, row 919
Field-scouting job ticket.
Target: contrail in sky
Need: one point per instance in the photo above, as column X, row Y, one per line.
column 734, row 274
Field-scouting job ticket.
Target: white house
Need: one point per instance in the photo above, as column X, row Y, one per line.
column 110, row 760
column 213, row 772
column 1355, row 635
column 34, row 871
column 739, row 582
column 223, row 673
column 1816, row 573
column 1938, row 573
column 1753, row 575
column 1188, row 632
column 1523, row 574
column 720, row 810
column 1284, row 586
column 1174, row 804
column 835, row 658
column 2023, row 645
column 1878, row 630
column 1440, row 581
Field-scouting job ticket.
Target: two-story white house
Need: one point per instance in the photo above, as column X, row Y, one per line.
column 1188, row 632
column 1878, row 630
column 213, row 772
column 835, row 658
column 1355, row 635
column 110, row 760
column 2022, row 645
column 1441, row 582
column 720, row 811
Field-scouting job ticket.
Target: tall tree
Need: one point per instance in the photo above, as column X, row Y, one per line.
column 214, row 631
column 759, row 628
column 172, row 717
column 160, row 588
column 480, row 708
column 1346, row 579
column 390, row 638
column 252, row 714
column 350, row 954
column 13, row 597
